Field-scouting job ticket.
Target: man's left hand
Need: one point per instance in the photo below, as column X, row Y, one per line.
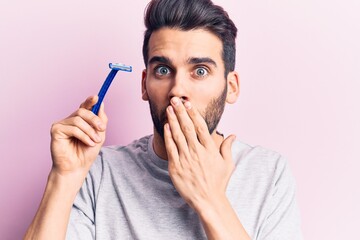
column 199, row 171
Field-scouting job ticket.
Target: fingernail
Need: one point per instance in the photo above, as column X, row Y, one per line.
column 171, row 110
column 175, row 101
column 187, row 105
column 97, row 137
column 100, row 125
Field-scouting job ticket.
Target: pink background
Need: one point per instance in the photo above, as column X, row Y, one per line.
column 299, row 64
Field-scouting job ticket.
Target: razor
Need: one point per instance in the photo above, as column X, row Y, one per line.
column 115, row 67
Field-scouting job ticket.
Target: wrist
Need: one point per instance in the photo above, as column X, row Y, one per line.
column 68, row 184
column 220, row 220
column 212, row 208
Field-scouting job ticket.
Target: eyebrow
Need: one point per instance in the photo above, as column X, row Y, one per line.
column 194, row 60
column 160, row 59
column 202, row 60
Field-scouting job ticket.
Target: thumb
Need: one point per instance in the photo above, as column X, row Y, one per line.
column 102, row 115
column 89, row 102
column 104, row 120
column 225, row 148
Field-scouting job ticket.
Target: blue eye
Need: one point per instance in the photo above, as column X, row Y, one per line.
column 201, row 72
column 162, row 70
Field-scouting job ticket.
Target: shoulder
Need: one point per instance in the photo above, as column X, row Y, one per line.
column 262, row 166
column 135, row 147
column 257, row 156
column 118, row 155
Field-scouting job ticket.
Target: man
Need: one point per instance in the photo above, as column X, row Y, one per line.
column 184, row 181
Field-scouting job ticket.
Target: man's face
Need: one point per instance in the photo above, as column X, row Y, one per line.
column 189, row 65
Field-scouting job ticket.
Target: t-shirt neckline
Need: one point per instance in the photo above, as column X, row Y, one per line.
column 159, row 162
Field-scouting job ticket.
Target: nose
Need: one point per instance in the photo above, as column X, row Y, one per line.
column 179, row 87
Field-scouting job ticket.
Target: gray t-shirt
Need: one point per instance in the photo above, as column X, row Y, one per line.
column 128, row 194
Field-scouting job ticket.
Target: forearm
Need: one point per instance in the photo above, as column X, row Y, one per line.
column 52, row 217
column 221, row 222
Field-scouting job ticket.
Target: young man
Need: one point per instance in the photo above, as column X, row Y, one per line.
column 185, row 181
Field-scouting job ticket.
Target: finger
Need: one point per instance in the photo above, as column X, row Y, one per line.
column 176, row 133
column 201, row 128
column 102, row 115
column 84, row 126
column 89, row 102
column 171, row 149
column 225, row 148
column 60, row 130
column 185, row 122
column 92, row 119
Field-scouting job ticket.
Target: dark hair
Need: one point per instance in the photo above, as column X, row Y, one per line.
column 188, row 15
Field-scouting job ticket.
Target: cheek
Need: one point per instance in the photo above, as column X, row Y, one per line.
column 205, row 95
column 200, row 103
column 157, row 91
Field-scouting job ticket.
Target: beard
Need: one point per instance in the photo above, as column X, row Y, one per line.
column 211, row 115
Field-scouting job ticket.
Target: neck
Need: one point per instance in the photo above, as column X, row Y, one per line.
column 160, row 149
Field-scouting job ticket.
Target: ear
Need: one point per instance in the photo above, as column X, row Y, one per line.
column 233, row 86
column 144, row 94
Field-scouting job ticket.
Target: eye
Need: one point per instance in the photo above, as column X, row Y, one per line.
column 162, row 70
column 201, row 72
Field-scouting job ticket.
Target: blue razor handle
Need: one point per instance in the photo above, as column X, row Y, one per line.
column 115, row 67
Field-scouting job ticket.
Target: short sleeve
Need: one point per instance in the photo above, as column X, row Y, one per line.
column 82, row 217
column 80, row 226
column 283, row 218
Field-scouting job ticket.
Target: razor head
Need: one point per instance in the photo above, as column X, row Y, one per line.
column 120, row 66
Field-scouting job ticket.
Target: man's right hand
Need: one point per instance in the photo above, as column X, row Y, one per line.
column 77, row 139
column 75, row 143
